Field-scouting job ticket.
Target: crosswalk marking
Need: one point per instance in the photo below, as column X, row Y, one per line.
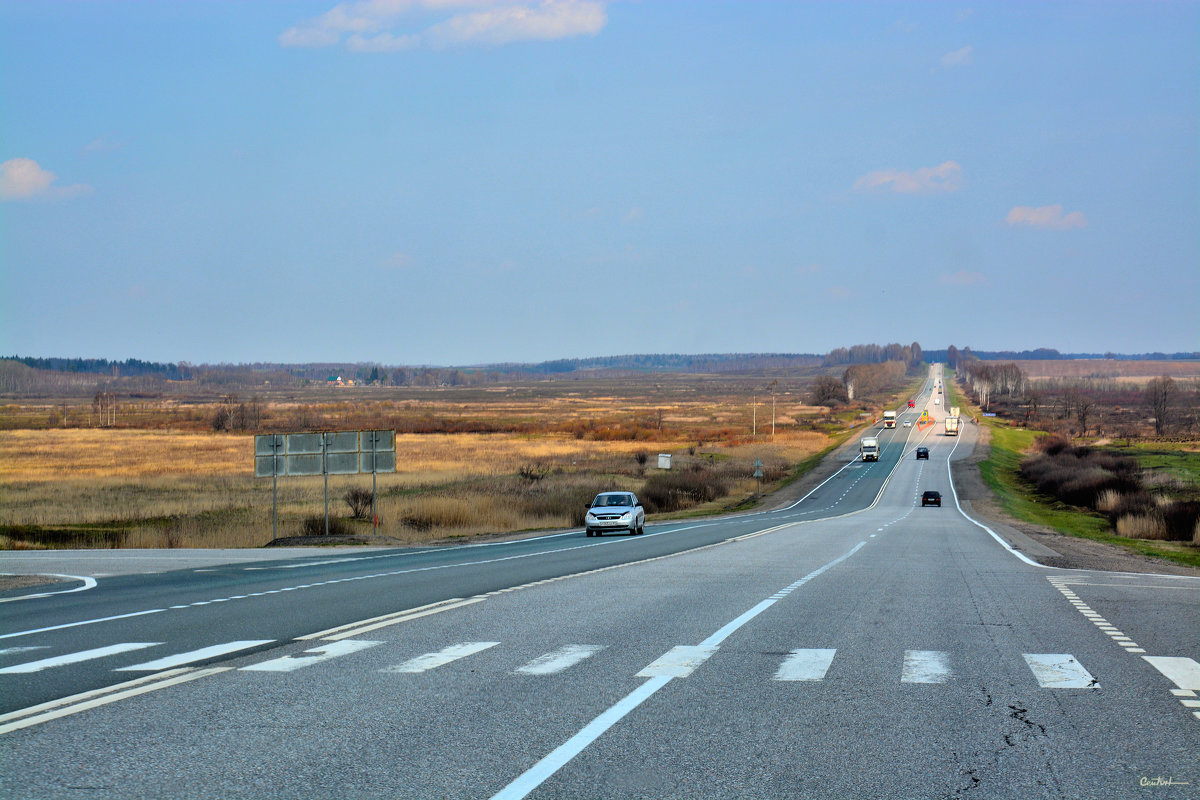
column 75, row 658
column 195, row 655
column 925, row 666
column 1051, row 670
column 8, row 651
column 293, row 663
column 1183, row 672
column 1059, row 671
column 442, row 657
column 561, row 659
column 678, row 662
column 805, row 665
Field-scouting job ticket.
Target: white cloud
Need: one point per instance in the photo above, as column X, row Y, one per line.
column 962, row 278
column 1046, row 217
column 959, row 58
column 371, row 26
column 24, row 179
column 946, row 177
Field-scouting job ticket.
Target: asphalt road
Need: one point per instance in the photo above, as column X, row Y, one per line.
column 852, row 645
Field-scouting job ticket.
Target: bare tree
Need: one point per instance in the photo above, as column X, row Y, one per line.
column 1084, row 407
column 1160, row 394
column 828, row 391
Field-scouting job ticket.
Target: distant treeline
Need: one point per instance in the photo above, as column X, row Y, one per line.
column 664, row 362
column 129, row 368
column 909, row 354
column 1050, row 354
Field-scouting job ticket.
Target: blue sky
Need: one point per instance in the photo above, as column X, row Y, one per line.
column 456, row 182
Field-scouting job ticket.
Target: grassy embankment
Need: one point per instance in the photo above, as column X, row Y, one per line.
column 1009, row 446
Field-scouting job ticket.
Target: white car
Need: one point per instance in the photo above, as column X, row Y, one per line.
column 908, row 423
column 615, row 511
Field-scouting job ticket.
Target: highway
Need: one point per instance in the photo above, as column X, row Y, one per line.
column 853, row 644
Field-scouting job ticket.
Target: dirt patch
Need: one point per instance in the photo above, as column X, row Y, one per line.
column 1072, row 552
column 25, row 581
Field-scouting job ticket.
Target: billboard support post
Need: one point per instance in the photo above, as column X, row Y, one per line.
column 337, row 452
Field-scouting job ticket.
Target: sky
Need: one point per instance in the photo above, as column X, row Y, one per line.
column 460, row 182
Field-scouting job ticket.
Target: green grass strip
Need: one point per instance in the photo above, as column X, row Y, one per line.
column 999, row 471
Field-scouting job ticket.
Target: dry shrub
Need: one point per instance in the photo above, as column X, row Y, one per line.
column 1142, row 526
column 315, row 526
column 1181, row 518
column 672, row 491
column 1079, row 475
column 1108, row 500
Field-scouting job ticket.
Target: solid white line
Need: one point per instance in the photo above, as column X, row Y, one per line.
column 561, row 659
column 75, row 658
column 88, row 583
column 293, row 663
column 359, row 623
column 925, row 666
column 805, row 665
column 1183, row 672
column 994, row 535
column 539, row 772
column 532, row 778
column 678, row 662
column 184, row 677
column 1059, row 671
column 195, row 655
column 441, row 658
column 405, row 618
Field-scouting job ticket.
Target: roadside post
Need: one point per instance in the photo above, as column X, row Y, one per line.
column 324, row 453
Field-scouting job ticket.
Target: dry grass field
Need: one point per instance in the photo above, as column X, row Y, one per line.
column 138, row 488
column 174, row 466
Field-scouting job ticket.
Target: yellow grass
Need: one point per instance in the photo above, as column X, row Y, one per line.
column 160, row 489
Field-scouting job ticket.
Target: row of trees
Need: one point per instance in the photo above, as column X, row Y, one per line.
column 910, row 355
column 1084, row 403
column 858, row 380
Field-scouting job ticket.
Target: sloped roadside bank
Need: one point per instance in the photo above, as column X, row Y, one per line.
column 1042, row 544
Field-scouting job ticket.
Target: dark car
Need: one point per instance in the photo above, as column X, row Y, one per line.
column 932, row 499
column 923, row 452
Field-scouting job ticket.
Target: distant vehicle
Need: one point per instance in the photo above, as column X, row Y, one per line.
column 908, row 423
column 937, row 401
column 931, row 499
column 868, row 448
column 889, row 419
column 923, row 452
column 952, row 426
column 912, row 404
column 615, row 511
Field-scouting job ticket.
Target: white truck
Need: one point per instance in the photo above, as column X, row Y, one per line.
column 889, row 419
column 952, row 426
column 868, row 448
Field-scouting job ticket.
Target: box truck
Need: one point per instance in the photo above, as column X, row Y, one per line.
column 868, row 448
column 889, row 419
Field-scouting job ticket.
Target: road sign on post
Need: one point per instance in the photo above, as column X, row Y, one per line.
column 325, row 453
